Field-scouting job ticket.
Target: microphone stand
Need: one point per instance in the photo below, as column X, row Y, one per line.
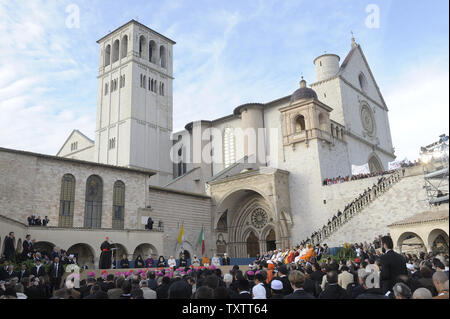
column 113, row 255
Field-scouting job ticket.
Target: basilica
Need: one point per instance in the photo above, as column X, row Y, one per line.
column 253, row 180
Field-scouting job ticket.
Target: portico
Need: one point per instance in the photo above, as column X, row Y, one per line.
column 252, row 211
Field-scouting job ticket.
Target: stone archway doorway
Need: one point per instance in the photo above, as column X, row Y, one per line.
column 252, row 245
column 271, row 241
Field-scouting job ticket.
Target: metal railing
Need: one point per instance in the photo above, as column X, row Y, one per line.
column 355, row 208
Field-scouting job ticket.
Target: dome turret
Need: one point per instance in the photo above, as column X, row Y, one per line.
column 303, row 93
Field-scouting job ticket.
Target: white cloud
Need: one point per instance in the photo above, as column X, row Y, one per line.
column 419, row 107
column 36, row 60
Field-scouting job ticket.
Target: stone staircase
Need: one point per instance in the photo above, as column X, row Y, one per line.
column 393, row 199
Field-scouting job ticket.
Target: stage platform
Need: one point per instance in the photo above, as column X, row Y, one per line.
column 98, row 272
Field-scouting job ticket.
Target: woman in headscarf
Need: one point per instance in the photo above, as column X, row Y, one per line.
column 161, row 262
column 195, row 262
column 149, row 262
column 124, row 263
column 139, row 262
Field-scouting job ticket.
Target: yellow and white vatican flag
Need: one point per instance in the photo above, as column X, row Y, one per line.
column 181, row 237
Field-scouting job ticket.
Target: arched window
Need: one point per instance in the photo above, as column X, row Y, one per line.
column 93, row 202
column 151, row 83
column 300, row 123
column 162, row 56
column 144, row 82
column 181, row 168
column 229, row 150
column 362, row 82
column 142, row 77
column 67, row 199
column 107, row 55
column 115, row 53
column 124, row 50
column 152, row 51
column 162, row 89
column 118, row 205
column 142, row 46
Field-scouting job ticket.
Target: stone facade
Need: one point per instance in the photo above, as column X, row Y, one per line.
column 31, row 184
column 250, row 193
column 174, row 209
column 405, row 199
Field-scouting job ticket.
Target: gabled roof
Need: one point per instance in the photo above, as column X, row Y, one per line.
column 428, row 216
column 148, row 172
column 347, row 60
column 71, row 134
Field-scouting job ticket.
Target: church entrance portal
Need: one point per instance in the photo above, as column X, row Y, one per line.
column 270, row 241
column 252, row 245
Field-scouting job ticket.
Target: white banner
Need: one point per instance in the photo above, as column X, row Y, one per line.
column 394, row 165
column 363, row 169
column 144, row 220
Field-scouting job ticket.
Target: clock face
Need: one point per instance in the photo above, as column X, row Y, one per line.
column 367, row 119
column 259, row 218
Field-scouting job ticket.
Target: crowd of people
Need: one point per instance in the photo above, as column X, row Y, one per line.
column 37, row 221
column 342, row 179
column 171, row 262
column 297, row 273
column 30, row 253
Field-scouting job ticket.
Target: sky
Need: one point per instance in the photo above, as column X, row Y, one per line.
column 227, row 53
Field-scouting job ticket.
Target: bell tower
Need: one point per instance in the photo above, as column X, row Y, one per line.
column 135, row 101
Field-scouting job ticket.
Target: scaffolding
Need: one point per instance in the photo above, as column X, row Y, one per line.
column 436, row 159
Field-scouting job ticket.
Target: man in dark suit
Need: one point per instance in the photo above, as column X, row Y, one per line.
column 23, row 272
column 4, row 269
column 10, row 273
column 317, row 273
column 149, row 225
column 55, row 273
column 243, row 289
column 318, row 251
column 38, row 270
column 297, row 280
column 9, row 247
column 225, row 260
column 27, row 247
column 392, row 265
column 332, row 289
column 282, row 276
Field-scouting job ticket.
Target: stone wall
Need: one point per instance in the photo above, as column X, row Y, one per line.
column 176, row 208
column 31, row 184
column 66, row 238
